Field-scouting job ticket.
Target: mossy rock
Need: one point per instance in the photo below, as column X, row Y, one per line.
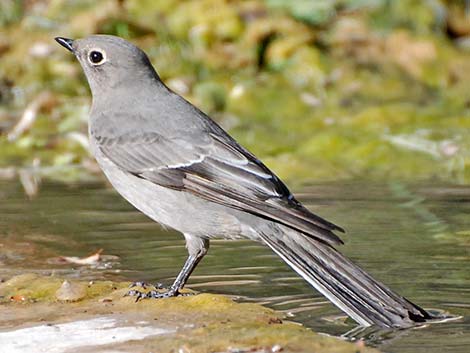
column 194, row 323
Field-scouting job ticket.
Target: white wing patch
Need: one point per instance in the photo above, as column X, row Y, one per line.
column 182, row 165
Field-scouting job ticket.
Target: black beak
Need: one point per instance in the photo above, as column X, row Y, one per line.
column 65, row 42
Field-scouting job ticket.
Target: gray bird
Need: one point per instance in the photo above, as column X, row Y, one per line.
column 176, row 165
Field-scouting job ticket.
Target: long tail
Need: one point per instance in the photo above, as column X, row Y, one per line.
column 352, row 290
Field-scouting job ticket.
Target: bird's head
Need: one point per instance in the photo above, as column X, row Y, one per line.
column 110, row 63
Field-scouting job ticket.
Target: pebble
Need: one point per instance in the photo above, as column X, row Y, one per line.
column 70, row 291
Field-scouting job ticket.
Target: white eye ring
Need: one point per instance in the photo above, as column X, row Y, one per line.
column 96, row 57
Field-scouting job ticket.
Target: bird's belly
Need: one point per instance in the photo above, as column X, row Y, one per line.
column 179, row 210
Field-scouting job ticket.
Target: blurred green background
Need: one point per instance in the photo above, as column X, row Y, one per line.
column 319, row 90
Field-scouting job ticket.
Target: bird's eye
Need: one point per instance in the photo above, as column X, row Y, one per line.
column 96, row 57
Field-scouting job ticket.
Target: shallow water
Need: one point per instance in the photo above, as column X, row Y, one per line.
column 415, row 238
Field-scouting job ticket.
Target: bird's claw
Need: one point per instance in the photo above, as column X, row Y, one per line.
column 146, row 285
column 137, row 294
column 153, row 294
column 168, row 294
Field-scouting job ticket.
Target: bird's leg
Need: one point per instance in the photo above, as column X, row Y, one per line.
column 180, row 280
column 197, row 248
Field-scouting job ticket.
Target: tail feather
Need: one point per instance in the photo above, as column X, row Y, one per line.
column 352, row 290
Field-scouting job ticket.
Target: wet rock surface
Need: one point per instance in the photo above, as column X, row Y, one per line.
column 102, row 319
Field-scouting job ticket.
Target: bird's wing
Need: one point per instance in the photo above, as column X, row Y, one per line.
column 216, row 168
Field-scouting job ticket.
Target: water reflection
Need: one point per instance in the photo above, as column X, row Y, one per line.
column 415, row 238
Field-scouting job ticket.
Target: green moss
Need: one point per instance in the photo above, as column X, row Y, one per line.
column 200, row 323
column 347, row 88
column 33, row 288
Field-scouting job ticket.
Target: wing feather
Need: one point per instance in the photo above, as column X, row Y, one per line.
column 218, row 170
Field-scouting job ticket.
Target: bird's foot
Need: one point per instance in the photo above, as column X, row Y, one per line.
column 154, row 294
column 146, row 285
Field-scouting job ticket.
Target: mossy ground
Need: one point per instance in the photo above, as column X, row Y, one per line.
column 198, row 323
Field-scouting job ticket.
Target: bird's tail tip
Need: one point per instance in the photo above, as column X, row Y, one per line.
column 347, row 286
